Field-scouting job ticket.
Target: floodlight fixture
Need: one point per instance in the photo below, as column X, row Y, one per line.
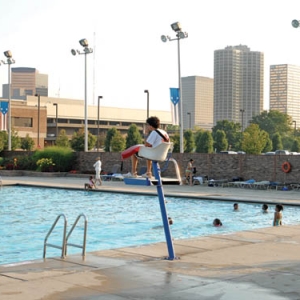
column 295, row 23
column 73, row 52
column 84, row 43
column 164, row 38
column 182, row 35
column 176, row 26
column 8, row 54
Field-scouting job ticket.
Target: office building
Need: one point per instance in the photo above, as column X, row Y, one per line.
column 43, row 123
column 285, row 90
column 26, row 82
column 238, row 84
column 197, row 94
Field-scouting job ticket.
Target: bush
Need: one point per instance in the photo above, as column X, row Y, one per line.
column 26, row 162
column 63, row 158
column 45, row 165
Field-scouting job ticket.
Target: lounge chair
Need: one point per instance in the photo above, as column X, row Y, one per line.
column 114, row 174
column 261, row 184
column 248, row 183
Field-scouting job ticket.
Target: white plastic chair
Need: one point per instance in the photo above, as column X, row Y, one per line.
column 158, row 153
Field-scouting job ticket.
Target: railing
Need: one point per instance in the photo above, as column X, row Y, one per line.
column 63, row 247
column 65, row 243
column 84, row 235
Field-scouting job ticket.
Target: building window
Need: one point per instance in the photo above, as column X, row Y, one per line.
column 21, row 122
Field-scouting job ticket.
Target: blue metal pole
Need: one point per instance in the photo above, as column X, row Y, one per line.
column 163, row 210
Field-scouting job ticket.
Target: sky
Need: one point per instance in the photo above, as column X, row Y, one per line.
column 129, row 56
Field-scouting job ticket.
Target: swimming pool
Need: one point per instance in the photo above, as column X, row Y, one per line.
column 114, row 220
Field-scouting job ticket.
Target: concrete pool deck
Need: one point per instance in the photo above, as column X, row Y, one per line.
column 263, row 263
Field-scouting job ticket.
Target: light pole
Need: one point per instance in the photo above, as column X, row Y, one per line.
column 99, row 97
column 56, row 120
column 39, row 105
column 8, row 62
column 147, row 92
column 242, row 111
column 190, row 123
column 179, row 35
column 86, row 50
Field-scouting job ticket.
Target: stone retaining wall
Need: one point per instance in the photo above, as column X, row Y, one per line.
column 216, row 166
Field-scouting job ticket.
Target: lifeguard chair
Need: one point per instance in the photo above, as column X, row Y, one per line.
column 161, row 153
column 158, row 153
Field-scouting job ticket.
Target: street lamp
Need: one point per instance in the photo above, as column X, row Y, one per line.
column 147, row 92
column 179, row 35
column 56, row 120
column 242, row 111
column 190, row 123
column 86, row 50
column 39, row 105
column 8, row 62
column 99, row 97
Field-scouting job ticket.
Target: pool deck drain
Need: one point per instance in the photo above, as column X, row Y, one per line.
column 264, row 262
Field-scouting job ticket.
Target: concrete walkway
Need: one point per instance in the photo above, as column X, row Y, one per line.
column 264, row 263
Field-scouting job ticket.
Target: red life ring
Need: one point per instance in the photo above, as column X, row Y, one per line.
column 286, row 167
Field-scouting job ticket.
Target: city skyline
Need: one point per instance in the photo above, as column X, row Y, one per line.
column 129, row 56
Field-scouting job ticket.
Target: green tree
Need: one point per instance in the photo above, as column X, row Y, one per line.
column 232, row 131
column 62, row 139
column 133, row 136
column 269, row 146
column 220, row 141
column 254, row 139
column 175, row 139
column 110, row 133
column 287, row 141
column 276, row 141
column 189, row 141
column 27, row 143
column 273, row 122
column 206, row 143
column 15, row 140
column 198, row 135
column 296, row 146
column 77, row 141
column 118, row 142
column 3, row 140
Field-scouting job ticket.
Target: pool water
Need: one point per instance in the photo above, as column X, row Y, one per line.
column 114, row 220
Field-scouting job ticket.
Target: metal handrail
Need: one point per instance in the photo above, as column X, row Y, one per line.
column 63, row 247
column 84, row 235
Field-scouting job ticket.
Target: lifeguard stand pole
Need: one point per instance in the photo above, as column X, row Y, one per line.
column 164, row 215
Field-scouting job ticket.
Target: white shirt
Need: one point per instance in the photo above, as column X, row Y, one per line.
column 155, row 139
column 97, row 165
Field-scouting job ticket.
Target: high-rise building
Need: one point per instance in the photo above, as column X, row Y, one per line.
column 197, row 94
column 26, row 81
column 285, row 90
column 238, row 84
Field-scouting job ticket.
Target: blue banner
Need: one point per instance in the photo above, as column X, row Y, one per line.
column 3, row 107
column 174, row 93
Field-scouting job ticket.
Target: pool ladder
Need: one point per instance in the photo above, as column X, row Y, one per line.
column 66, row 236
